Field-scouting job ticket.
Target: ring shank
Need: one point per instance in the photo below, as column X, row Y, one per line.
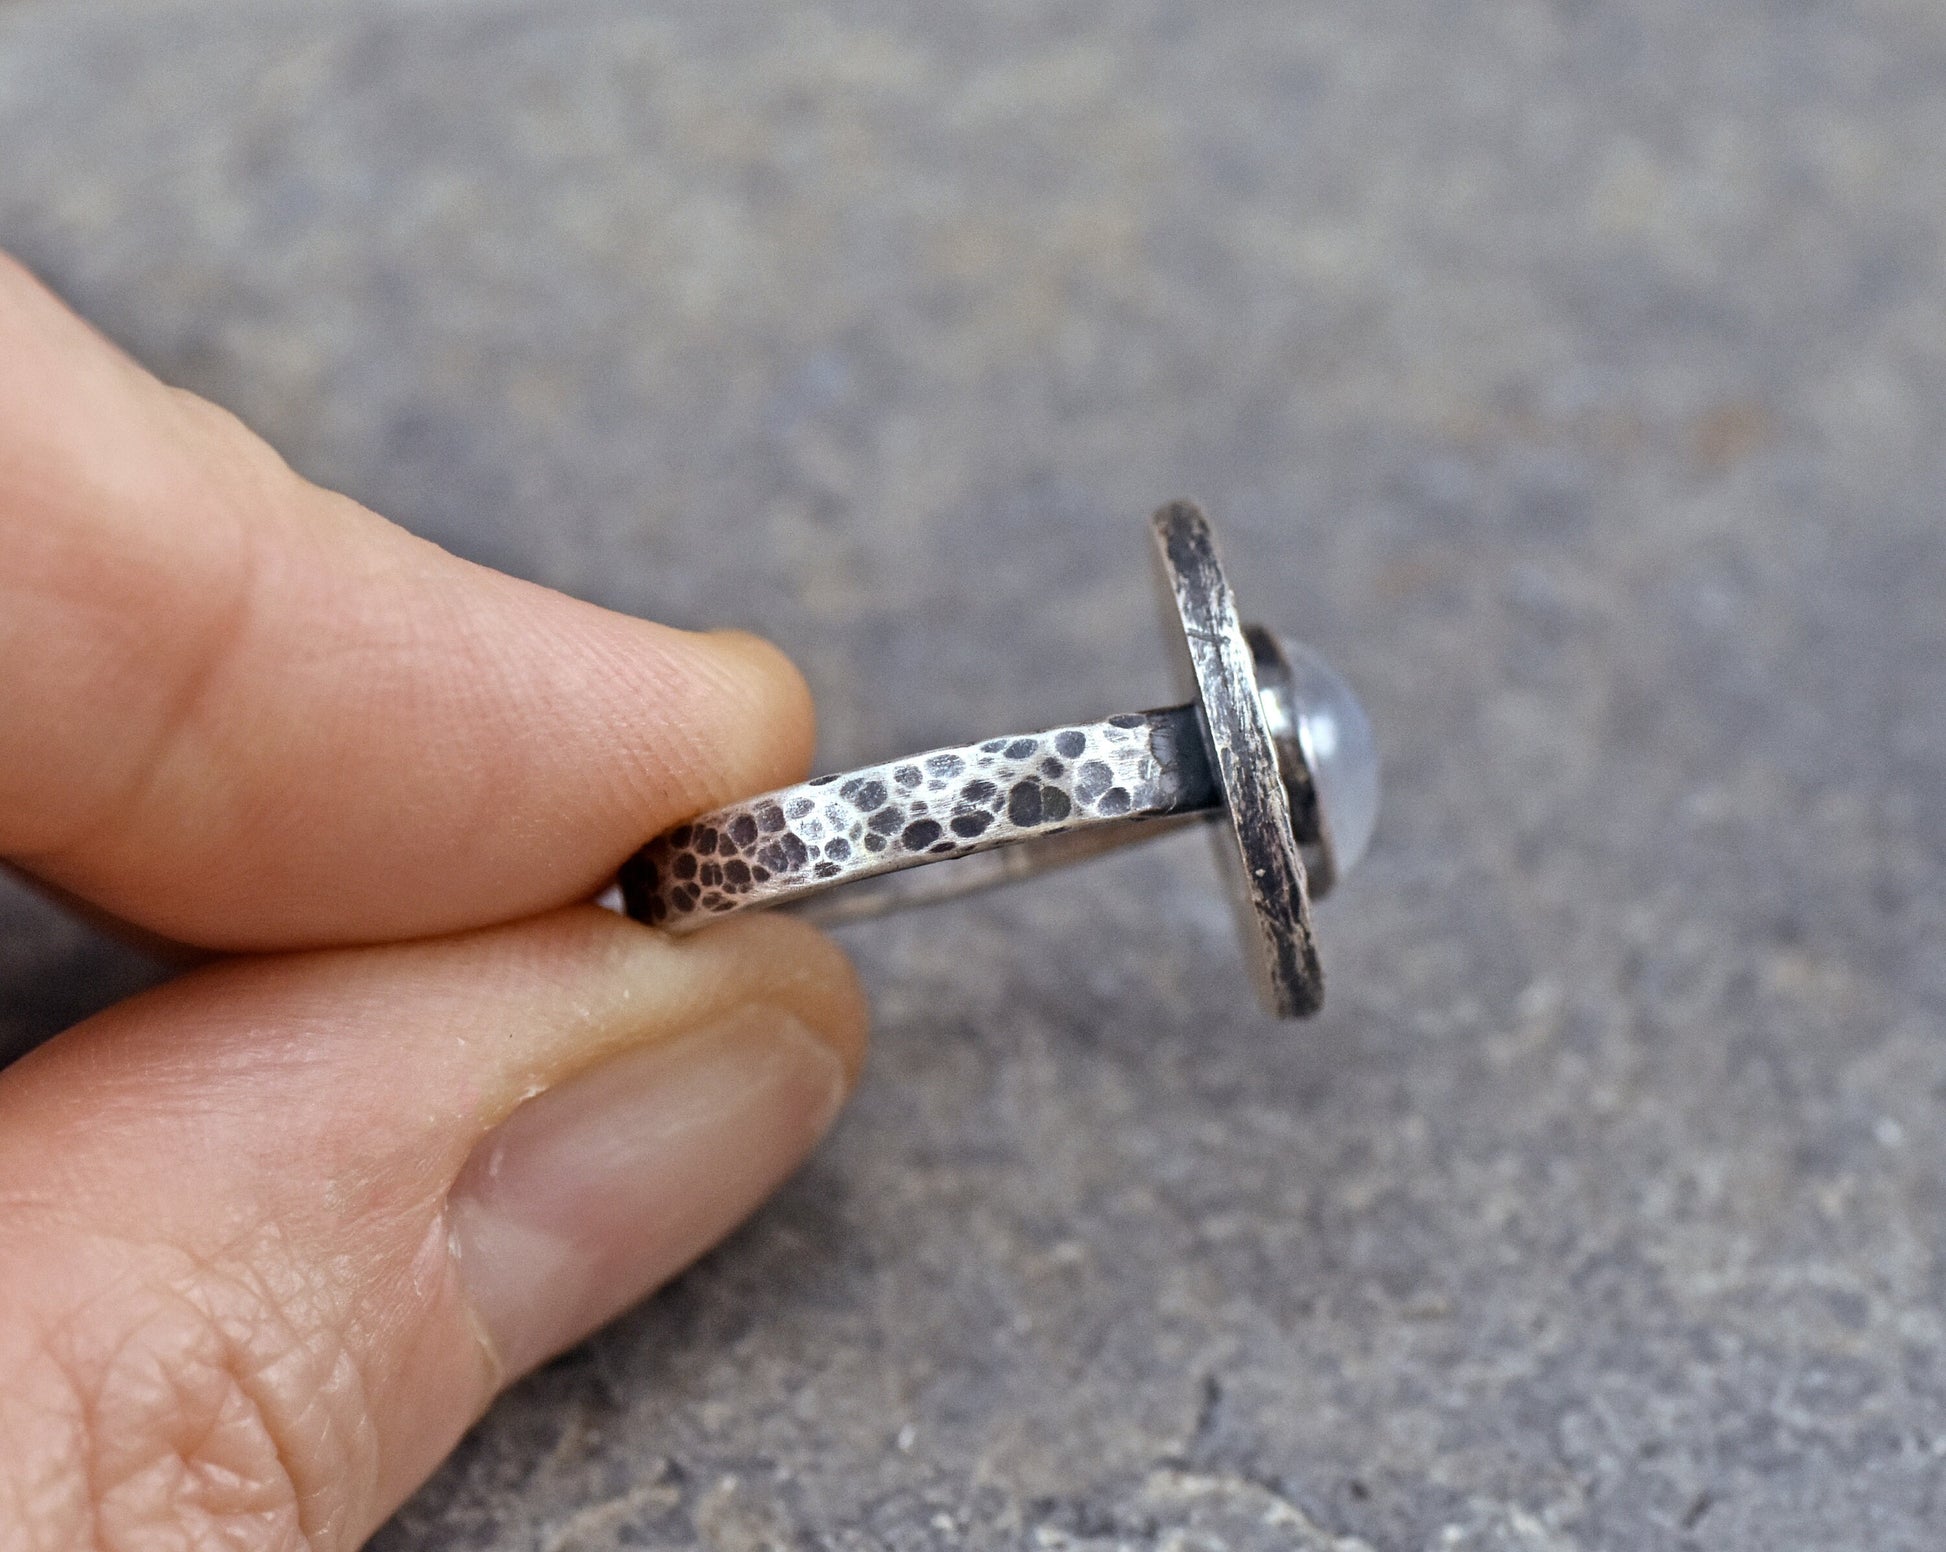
column 1086, row 782
column 974, row 873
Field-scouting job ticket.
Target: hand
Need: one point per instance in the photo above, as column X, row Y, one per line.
column 272, row 1235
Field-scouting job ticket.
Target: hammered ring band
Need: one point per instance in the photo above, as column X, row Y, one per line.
column 1272, row 742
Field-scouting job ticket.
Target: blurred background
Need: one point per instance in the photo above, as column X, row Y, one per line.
column 1569, row 372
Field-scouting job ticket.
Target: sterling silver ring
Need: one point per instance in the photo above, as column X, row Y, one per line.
column 1273, row 742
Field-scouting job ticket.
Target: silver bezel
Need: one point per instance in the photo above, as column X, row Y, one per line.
column 1261, row 846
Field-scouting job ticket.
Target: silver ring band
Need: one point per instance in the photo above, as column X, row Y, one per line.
column 1253, row 747
column 1092, row 783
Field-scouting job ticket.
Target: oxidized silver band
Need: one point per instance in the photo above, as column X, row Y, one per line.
column 1100, row 778
column 1265, row 743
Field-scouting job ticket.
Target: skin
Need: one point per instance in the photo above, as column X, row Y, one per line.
column 369, row 781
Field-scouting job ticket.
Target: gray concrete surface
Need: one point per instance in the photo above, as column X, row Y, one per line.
column 1570, row 372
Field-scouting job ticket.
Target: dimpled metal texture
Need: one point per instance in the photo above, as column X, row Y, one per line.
column 949, row 803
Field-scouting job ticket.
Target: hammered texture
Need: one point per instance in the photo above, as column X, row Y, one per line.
column 949, row 803
column 1572, row 373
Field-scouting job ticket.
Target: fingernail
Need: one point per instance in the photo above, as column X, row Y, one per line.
column 591, row 1195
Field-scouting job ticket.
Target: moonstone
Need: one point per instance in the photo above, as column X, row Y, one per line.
column 1339, row 747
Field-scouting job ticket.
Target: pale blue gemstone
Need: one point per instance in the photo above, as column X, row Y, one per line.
column 1336, row 736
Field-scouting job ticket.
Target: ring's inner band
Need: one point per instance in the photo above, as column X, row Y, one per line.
column 975, row 873
column 1090, row 784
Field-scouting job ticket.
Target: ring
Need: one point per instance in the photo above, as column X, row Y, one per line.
column 1273, row 741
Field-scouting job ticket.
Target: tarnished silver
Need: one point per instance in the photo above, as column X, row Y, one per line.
column 1269, row 885
column 1236, row 753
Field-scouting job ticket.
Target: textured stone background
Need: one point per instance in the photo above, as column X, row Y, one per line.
column 1570, row 372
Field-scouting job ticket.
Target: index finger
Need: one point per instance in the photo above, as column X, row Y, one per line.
column 247, row 713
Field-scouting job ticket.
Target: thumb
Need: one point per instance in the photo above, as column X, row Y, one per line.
column 396, row 1178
